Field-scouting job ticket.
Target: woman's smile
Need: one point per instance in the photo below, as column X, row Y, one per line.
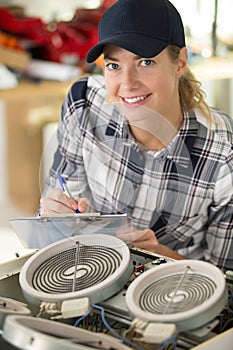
column 135, row 99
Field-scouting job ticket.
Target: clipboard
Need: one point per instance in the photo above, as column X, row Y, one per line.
column 38, row 232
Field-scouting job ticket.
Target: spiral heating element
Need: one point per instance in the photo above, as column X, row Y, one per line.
column 57, row 273
column 161, row 296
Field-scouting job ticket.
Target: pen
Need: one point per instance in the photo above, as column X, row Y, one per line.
column 65, row 188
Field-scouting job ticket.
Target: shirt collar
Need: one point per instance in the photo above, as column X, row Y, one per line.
column 178, row 150
column 181, row 146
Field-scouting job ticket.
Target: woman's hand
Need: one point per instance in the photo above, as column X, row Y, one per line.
column 146, row 239
column 56, row 202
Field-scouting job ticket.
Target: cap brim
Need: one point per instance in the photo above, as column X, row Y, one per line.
column 138, row 44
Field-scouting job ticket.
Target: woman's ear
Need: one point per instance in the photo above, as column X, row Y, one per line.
column 182, row 61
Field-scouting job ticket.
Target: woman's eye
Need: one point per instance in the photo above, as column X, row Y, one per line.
column 112, row 66
column 146, row 63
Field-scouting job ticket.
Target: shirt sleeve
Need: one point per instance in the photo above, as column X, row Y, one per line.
column 219, row 234
column 68, row 154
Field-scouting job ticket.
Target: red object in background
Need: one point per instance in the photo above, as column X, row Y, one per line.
column 58, row 41
column 65, row 42
column 24, row 27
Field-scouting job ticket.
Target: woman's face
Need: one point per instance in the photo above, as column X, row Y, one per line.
column 136, row 81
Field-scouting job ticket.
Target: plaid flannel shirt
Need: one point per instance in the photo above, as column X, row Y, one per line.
column 183, row 192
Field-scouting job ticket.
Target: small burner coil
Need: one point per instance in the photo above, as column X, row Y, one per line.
column 188, row 293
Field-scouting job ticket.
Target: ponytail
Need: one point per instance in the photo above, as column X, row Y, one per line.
column 191, row 94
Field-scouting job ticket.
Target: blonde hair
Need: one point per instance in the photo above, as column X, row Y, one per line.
column 191, row 94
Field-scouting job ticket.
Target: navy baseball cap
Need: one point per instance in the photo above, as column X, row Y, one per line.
column 143, row 27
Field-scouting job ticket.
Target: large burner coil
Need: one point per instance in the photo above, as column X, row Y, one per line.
column 188, row 293
column 93, row 265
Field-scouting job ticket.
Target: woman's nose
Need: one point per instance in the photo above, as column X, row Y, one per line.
column 130, row 78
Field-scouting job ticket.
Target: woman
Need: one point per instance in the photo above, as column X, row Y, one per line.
column 141, row 140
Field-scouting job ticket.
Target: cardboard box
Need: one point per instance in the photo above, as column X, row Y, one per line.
column 14, row 59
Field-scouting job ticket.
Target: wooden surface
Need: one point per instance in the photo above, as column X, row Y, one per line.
column 36, row 89
column 214, row 68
